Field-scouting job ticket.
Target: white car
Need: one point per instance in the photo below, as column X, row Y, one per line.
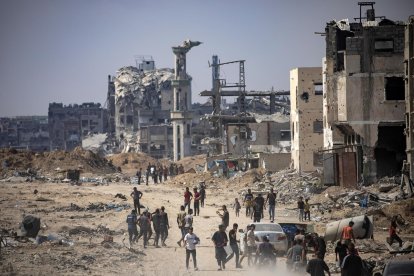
column 273, row 231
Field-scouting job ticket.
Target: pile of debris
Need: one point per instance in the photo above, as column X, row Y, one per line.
column 290, row 184
column 50, row 165
column 95, row 207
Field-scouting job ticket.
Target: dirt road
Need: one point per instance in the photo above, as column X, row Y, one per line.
column 68, row 212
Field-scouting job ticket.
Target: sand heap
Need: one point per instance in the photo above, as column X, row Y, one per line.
column 52, row 163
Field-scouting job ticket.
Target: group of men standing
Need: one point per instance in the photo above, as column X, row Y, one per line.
column 158, row 172
column 158, row 219
column 255, row 205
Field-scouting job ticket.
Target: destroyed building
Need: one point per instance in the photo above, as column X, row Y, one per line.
column 364, row 99
column 306, row 118
column 142, row 102
column 25, row 132
column 68, row 124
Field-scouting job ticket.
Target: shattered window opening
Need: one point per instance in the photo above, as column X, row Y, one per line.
column 317, row 87
column 384, row 45
column 394, row 89
column 317, row 126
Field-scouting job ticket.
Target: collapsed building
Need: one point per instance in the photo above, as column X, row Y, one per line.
column 252, row 132
column 364, row 99
column 69, row 124
column 142, row 103
column 25, row 132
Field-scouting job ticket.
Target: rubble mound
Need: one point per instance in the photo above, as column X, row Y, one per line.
column 52, row 163
column 195, row 162
column 131, row 162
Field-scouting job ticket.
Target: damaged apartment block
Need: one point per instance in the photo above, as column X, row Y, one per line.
column 364, row 100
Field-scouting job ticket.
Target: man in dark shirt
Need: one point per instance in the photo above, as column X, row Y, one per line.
column 220, row 241
column 136, row 195
column 265, row 251
column 260, row 202
column 317, row 266
column 320, row 246
column 202, row 194
column 271, row 199
column 132, row 226
column 144, row 226
column 352, row 263
column 234, row 246
column 225, row 217
column 197, row 197
column 139, row 174
column 164, row 225
column 188, row 196
column 301, row 208
column 156, row 225
column 340, row 252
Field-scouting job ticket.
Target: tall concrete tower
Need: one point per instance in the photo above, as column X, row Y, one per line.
column 181, row 115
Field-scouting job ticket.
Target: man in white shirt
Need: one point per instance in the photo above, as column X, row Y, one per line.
column 190, row 241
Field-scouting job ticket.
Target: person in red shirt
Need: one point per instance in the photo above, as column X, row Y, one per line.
column 188, row 196
column 197, row 197
column 348, row 234
column 393, row 233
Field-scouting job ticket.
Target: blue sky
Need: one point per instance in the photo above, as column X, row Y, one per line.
column 63, row 50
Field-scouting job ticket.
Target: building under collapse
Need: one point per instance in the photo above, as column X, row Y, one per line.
column 364, row 99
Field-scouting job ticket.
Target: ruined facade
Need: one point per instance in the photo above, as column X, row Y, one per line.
column 143, row 97
column 363, row 100
column 306, row 118
column 181, row 113
column 25, row 132
column 264, row 136
column 409, row 92
column 68, row 124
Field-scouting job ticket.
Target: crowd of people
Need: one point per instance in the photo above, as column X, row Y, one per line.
column 158, row 173
column 227, row 246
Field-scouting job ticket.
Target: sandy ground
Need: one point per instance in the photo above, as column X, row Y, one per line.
column 88, row 255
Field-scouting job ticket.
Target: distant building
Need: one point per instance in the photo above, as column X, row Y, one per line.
column 364, row 100
column 306, row 118
column 70, row 123
column 25, row 132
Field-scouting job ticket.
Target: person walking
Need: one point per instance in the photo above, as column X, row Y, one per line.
column 257, row 212
column 202, row 193
column 340, row 253
column 271, row 199
column 347, row 234
column 132, row 221
column 352, row 263
column 251, row 244
column 248, row 202
column 197, row 197
column 165, row 173
column 136, row 195
column 301, row 207
column 225, row 216
column 181, row 223
column 148, row 173
column 144, row 225
column 306, row 209
column 139, row 175
column 220, row 241
column 156, row 225
column 188, row 221
column 188, row 196
column 191, row 240
column 393, row 233
column 164, row 226
column 259, row 202
column 234, row 246
column 317, row 267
